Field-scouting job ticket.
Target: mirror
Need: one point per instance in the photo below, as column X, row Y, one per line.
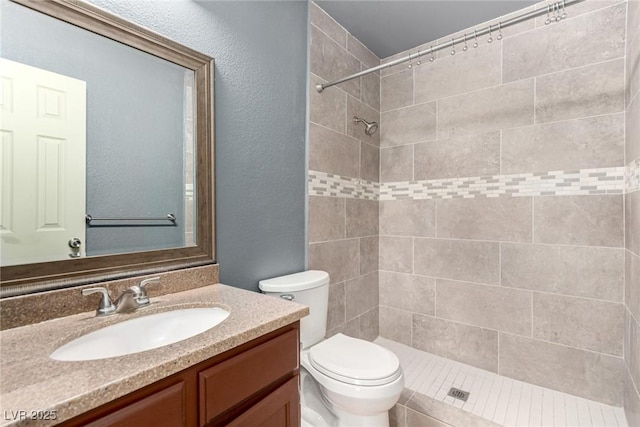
column 106, row 133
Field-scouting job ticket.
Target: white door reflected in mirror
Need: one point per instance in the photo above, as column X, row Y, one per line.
column 43, row 160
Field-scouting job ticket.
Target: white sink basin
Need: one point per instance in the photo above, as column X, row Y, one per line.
column 140, row 334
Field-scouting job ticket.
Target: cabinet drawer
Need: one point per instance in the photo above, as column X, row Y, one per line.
column 165, row 408
column 223, row 386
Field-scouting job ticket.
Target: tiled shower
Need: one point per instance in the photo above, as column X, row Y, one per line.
column 494, row 219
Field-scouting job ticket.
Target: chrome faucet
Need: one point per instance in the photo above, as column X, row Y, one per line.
column 130, row 300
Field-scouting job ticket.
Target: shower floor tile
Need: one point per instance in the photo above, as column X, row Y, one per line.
column 495, row 398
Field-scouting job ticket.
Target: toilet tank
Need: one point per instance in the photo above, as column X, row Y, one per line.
column 310, row 288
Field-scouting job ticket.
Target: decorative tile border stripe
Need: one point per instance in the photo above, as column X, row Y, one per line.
column 632, row 176
column 554, row 183
column 330, row 185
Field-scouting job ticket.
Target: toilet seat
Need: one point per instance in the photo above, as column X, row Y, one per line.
column 354, row 361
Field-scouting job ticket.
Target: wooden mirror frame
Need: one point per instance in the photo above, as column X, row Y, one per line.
column 29, row 278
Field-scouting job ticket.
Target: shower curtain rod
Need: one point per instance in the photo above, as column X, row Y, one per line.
column 556, row 8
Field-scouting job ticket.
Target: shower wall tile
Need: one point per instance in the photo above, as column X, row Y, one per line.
column 450, row 75
column 361, row 295
column 498, row 107
column 506, row 32
column 369, row 162
column 632, row 283
column 396, row 163
column 362, row 110
column 360, row 51
column 326, row 218
column 395, row 68
column 333, row 152
column 396, row 90
column 631, row 401
column 458, row 290
column 482, row 41
column 632, row 225
column 629, row 324
column 570, row 270
column 570, row 44
column 343, row 221
column 633, row 18
column 369, row 254
column 570, row 370
column 408, row 125
column 506, row 219
column 466, row 155
column 632, row 135
column 579, row 322
column 331, row 61
column 370, row 324
column 328, row 25
column 336, row 309
column 469, row 261
column 492, row 307
column 578, row 9
column 362, row 218
column 327, row 108
column 350, row 328
column 371, row 90
column 467, row 344
column 574, row 144
column 396, row 254
column 579, row 220
column 586, row 91
column 408, row 292
column 633, row 68
column 336, row 258
column 395, row 325
column 632, row 348
column 408, row 218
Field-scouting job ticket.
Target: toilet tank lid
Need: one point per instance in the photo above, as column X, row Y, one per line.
column 295, row 282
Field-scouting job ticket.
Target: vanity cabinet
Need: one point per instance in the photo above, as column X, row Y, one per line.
column 254, row 384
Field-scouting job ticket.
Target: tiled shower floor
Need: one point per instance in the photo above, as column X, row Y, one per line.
column 496, row 398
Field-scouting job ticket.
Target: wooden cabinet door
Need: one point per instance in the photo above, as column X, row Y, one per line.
column 280, row 408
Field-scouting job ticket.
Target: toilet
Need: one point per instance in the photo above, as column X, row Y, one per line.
column 345, row 381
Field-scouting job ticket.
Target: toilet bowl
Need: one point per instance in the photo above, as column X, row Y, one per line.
column 360, row 381
column 345, row 381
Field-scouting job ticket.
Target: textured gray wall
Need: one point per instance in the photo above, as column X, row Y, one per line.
column 260, row 49
column 134, row 125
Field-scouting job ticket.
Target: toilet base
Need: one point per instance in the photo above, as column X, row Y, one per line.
column 355, row 420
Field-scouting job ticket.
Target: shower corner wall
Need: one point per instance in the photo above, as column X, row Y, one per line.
column 343, row 177
column 502, row 205
column 496, row 218
column 632, row 217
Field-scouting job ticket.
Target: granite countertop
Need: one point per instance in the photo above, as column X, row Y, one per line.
column 31, row 381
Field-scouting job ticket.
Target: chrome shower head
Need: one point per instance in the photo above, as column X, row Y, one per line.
column 371, row 128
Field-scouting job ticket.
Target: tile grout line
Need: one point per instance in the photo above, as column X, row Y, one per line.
column 521, row 290
column 485, row 131
column 537, row 340
column 513, row 82
column 498, row 372
column 343, row 48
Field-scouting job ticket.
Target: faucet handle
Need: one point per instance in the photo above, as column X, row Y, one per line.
column 143, row 298
column 106, row 306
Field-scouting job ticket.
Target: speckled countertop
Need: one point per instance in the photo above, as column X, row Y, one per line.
column 31, row 381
